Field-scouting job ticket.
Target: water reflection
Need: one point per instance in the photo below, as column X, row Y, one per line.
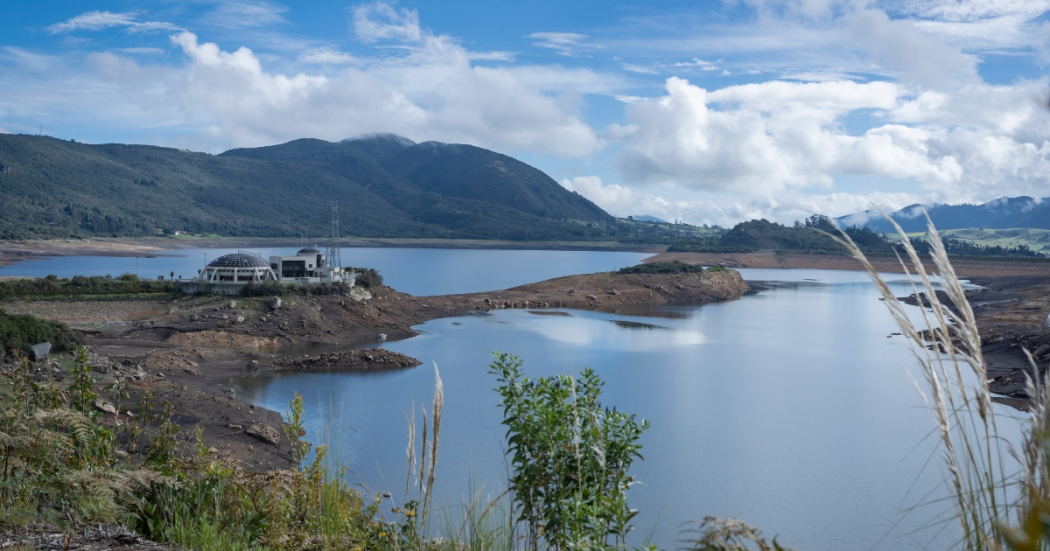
column 788, row 408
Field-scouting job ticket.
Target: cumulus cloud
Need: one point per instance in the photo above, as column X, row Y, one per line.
column 774, row 137
column 432, row 92
column 99, row 20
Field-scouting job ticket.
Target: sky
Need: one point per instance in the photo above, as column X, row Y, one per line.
column 708, row 112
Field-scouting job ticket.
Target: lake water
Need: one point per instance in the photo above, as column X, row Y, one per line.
column 419, row 272
column 788, row 408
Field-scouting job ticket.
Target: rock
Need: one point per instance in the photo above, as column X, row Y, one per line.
column 275, row 303
column 104, row 406
column 233, row 304
column 40, row 351
column 138, row 375
column 100, row 366
column 265, row 433
column 240, row 319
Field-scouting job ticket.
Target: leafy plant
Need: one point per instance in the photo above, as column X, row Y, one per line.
column 570, row 457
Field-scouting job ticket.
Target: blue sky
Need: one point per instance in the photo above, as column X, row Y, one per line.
column 708, row 112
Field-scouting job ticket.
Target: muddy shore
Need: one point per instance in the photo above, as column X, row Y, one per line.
column 187, row 350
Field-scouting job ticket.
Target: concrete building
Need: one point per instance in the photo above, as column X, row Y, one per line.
column 228, row 274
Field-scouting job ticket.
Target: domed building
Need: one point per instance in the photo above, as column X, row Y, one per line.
column 238, row 267
column 230, row 273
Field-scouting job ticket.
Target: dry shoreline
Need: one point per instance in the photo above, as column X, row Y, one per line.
column 188, row 350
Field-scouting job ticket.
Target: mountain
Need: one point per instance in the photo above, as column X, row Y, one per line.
column 434, row 181
column 386, row 186
column 1015, row 212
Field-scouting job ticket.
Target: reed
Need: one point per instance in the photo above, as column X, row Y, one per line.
column 955, row 389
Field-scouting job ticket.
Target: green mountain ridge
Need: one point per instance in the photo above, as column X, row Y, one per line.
column 386, row 186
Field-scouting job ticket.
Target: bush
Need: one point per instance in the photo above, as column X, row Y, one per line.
column 368, row 278
column 52, row 286
column 569, row 457
column 673, row 267
column 18, row 332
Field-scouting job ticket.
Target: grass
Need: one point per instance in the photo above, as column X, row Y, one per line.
column 987, row 496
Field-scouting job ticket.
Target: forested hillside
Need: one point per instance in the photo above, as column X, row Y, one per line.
column 385, row 187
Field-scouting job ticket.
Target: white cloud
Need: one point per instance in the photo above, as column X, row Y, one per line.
column 98, row 20
column 224, row 99
column 383, row 21
column 327, row 55
column 776, row 138
column 239, row 14
column 491, row 56
column 699, row 64
column 564, row 43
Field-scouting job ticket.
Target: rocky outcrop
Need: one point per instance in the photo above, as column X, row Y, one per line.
column 225, row 339
column 593, row 291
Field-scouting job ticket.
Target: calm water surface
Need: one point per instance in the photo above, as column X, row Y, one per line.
column 419, row 272
column 789, row 408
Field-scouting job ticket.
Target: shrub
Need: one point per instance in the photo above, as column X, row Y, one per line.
column 673, row 267
column 368, row 277
column 18, row 332
column 569, row 457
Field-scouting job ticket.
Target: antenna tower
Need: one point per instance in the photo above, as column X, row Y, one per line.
column 333, row 247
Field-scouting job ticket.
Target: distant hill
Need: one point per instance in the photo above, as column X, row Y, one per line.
column 1015, row 212
column 386, row 186
column 813, row 235
column 648, row 218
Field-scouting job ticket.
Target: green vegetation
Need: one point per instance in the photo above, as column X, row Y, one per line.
column 762, row 234
column 18, row 332
column 56, row 189
column 79, row 286
column 62, row 467
column 569, row 458
column 673, row 267
column 368, row 277
column 1010, row 238
column 966, row 248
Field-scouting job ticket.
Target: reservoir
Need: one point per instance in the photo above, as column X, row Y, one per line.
column 790, row 408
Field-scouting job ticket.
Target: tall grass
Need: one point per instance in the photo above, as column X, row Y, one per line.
column 954, row 373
